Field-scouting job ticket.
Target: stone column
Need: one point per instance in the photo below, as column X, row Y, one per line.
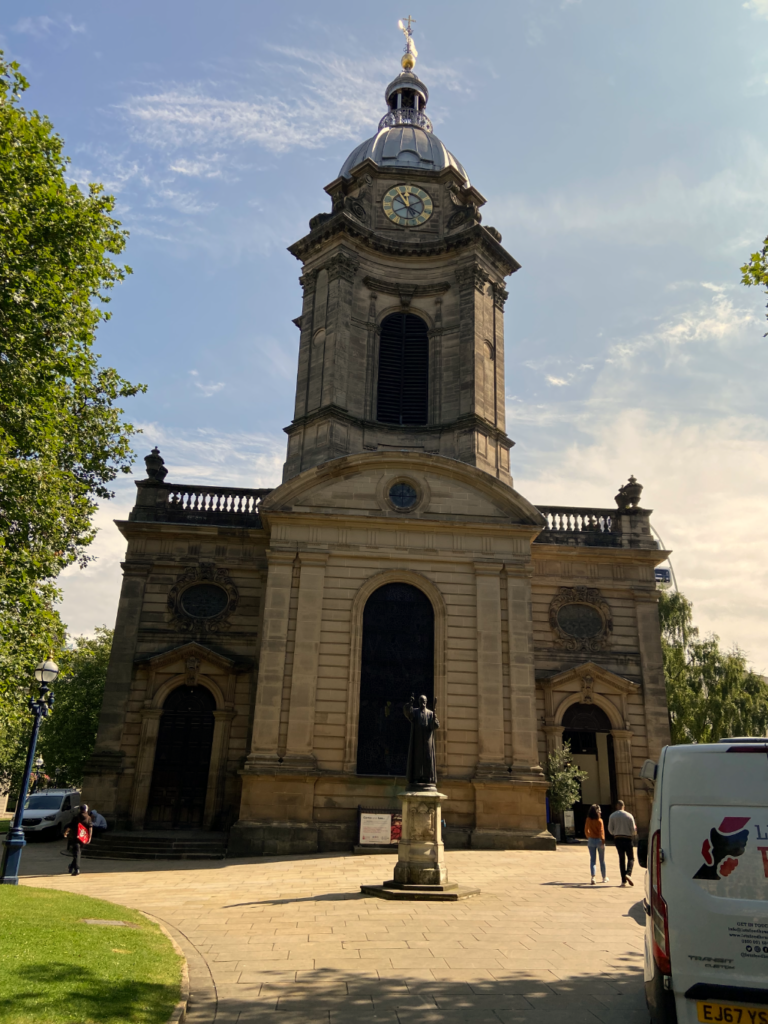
column 490, row 700
column 654, row 686
column 522, row 680
column 309, row 618
column 622, row 753
column 269, row 689
column 554, row 734
column 214, row 795
column 142, row 782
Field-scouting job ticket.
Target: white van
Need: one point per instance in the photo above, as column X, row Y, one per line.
column 49, row 811
column 706, row 899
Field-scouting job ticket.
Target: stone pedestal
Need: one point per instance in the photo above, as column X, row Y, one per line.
column 420, row 872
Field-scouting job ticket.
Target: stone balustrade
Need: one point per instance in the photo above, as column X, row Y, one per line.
column 192, row 503
column 596, row 527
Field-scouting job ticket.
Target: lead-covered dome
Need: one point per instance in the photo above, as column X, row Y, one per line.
column 405, row 137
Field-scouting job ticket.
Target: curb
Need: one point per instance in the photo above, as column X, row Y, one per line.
column 179, row 1014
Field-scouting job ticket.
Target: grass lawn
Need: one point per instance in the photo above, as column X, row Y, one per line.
column 54, row 969
column 5, row 824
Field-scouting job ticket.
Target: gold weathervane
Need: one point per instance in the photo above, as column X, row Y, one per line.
column 409, row 57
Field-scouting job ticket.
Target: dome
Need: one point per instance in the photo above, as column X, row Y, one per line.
column 405, row 137
column 404, row 145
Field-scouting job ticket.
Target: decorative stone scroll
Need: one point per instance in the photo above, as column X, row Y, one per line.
column 202, row 599
column 581, row 619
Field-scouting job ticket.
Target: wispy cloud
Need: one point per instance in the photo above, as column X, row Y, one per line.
column 206, row 389
column 43, row 25
column 758, row 7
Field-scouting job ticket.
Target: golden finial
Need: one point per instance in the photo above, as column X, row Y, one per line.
column 409, row 57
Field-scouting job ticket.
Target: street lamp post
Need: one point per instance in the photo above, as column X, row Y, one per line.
column 45, row 673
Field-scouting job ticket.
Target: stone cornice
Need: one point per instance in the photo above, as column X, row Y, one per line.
column 396, row 245
column 376, row 284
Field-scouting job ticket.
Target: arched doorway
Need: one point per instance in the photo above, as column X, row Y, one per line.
column 403, row 386
column 182, row 759
column 588, row 729
column 397, row 661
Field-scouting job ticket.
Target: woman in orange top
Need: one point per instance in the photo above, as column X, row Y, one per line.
column 594, row 830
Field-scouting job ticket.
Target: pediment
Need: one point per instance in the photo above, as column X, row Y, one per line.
column 180, row 656
column 446, row 490
column 582, row 673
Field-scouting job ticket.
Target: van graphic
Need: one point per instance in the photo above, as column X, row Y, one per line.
column 723, row 848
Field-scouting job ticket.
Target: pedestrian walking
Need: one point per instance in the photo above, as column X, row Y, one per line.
column 79, row 835
column 622, row 827
column 99, row 823
column 594, row 830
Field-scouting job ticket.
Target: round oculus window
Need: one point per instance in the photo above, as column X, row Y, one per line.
column 403, row 496
column 204, row 601
column 580, row 620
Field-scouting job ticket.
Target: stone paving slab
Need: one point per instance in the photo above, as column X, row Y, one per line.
column 291, row 940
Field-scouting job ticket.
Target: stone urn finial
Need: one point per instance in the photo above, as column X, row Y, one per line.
column 629, row 495
column 155, row 466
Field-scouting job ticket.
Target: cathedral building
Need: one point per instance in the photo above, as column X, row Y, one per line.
column 267, row 640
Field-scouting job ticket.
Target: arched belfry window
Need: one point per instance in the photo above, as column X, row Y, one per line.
column 403, row 370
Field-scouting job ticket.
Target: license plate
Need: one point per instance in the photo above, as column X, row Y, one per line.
column 723, row 1013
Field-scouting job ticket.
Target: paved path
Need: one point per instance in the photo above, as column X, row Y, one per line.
column 290, row 940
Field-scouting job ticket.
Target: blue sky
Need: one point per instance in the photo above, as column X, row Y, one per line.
column 621, row 148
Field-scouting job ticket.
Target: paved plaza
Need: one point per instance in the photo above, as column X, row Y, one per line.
column 290, row 940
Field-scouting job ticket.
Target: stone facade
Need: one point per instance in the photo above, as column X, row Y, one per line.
column 289, row 571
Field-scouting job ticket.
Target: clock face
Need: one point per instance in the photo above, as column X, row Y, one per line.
column 407, row 205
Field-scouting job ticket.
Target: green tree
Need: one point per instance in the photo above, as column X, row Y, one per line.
column 755, row 272
column 68, row 736
column 62, row 437
column 565, row 779
column 711, row 693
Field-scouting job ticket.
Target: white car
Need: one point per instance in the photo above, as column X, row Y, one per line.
column 49, row 811
column 706, row 936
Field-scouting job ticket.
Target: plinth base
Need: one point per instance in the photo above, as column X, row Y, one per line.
column 393, row 891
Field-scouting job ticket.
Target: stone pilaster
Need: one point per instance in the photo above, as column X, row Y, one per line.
column 309, row 615
column 522, row 679
column 150, row 726
column 622, row 752
column 654, row 685
column 490, row 700
column 269, row 689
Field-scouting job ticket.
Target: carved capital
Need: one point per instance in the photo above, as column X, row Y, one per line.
column 473, row 275
column 343, row 265
column 500, row 296
column 308, row 282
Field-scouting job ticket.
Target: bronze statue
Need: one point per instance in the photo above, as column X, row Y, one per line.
column 421, row 772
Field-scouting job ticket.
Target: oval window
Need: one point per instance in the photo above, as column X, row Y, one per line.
column 580, row 620
column 204, row 601
column 403, row 495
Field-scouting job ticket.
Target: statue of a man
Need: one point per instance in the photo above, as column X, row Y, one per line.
column 421, row 772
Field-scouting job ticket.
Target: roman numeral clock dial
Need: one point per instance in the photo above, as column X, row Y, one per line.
column 407, row 205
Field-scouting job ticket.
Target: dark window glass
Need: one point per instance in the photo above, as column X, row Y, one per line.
column 398, row 660
column 586, row 717
column 403, row 495
column 42, row 802
column 580, row 620
column 204, row 600
column 403, row 370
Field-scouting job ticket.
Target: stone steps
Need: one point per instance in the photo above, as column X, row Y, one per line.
column 158, row 846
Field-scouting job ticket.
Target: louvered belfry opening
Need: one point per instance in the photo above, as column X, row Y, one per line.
column 403, row 370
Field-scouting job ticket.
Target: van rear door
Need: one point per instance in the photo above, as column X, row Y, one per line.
column 715, row 870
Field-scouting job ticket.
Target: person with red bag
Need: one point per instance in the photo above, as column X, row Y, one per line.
column 79, row 833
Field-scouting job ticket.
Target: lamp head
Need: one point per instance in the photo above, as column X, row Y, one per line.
column 47, row 671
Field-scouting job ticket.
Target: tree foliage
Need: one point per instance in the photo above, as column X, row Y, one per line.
column 712, row 693
column 755, row 272
column 68, row 736
column 62, row 438
column 565, row 779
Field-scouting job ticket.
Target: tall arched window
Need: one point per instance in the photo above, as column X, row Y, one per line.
column 588, row 729
column 403, row 370
column 398, row 660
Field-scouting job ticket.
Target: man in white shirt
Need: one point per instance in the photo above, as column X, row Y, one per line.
column 99, row 823
column 622, row 827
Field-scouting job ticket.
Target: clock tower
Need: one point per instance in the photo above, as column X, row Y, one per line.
column 402, row 324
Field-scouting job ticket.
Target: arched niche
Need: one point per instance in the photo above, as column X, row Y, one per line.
column 402, row 378
column 428, row 588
